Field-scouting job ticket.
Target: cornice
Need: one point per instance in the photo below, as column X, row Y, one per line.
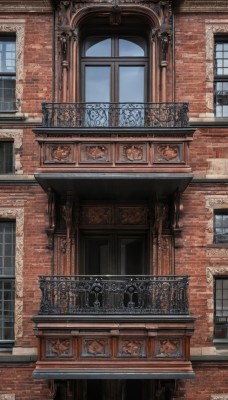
column 17, row 6
column 203, row 6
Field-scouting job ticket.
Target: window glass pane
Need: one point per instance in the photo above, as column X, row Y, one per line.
column 132, row 47
column 131, row 84
column 98, row 47
column 8, row 56
column 96, row 256
column 6, row 158
column 97, row 84
column 7, row 93
column 132, row 256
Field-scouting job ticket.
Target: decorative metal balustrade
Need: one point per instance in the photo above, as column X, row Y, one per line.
column 115, row 115
column 158, row 295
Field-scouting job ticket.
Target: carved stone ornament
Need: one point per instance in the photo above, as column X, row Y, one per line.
column 7, row 396
column 133, row 215
column 132, row 348
column 167, row 152
column 203, row 6
column 96, row 152
column 60, row 152
column 133, row 152
column 212, row 272
column 58, row 348
column 163, row 10
column 219, row 396
column 16, row 214
column 168, row 348
column 214, row 203
column 95, row 347
column 96, row 215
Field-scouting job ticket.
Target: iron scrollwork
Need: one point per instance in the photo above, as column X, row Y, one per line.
column 157, row 295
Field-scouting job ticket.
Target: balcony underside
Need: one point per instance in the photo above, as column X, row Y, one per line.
column 122, row 186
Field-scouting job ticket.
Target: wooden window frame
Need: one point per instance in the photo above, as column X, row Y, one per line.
column 220, row 79
column 4, row 341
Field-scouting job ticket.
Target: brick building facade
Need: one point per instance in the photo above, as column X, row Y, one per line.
column 113, row 199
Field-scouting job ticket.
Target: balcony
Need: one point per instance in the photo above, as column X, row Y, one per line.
column 109, row 147
column 114, row 327
column 115, row 115
column 99, row 295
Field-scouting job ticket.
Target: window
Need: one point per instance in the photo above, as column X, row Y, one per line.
column 221, row 226
column 7, row 282
column 221, row 308
column 115, row 254
column 6, row 157
column 221, row 77
column 7, row 73
column 114, row 69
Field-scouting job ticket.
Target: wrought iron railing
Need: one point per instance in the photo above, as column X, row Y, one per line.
column 140, row 294
column 115, row 115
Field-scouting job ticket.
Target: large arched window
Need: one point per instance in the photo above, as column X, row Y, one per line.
column 114, row 67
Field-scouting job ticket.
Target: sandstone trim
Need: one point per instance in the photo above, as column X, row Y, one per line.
column 18, row 215
column 17, row 136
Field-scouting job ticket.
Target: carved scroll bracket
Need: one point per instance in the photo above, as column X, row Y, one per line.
column 52, row 388
column 52, row 218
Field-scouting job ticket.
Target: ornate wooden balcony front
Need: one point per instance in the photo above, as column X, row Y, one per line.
column 111, row 327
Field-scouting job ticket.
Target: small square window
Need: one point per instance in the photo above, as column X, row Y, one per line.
column 221, row 226
column 6, row 157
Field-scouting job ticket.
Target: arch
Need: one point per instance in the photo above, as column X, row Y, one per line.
column 153, row 18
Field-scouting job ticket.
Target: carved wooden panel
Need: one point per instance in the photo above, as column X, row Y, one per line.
column 111, row 215
column 58, row 348
column 131, row 348
column 55, row 153
column 168, row 153
column 133, row 215
column 95, row 347
column 95, row 153
column 168, row 347
column 131, row 153
column 96, row 215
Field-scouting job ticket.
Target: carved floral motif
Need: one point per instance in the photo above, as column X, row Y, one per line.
column 95, row 347
column 96, row 215
column 59, row 347
column 133, row 215
column 168, row 348
column 133, row 348
column 60, row 152
column 133, row 152
column 96, row 152
column 167, row 152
